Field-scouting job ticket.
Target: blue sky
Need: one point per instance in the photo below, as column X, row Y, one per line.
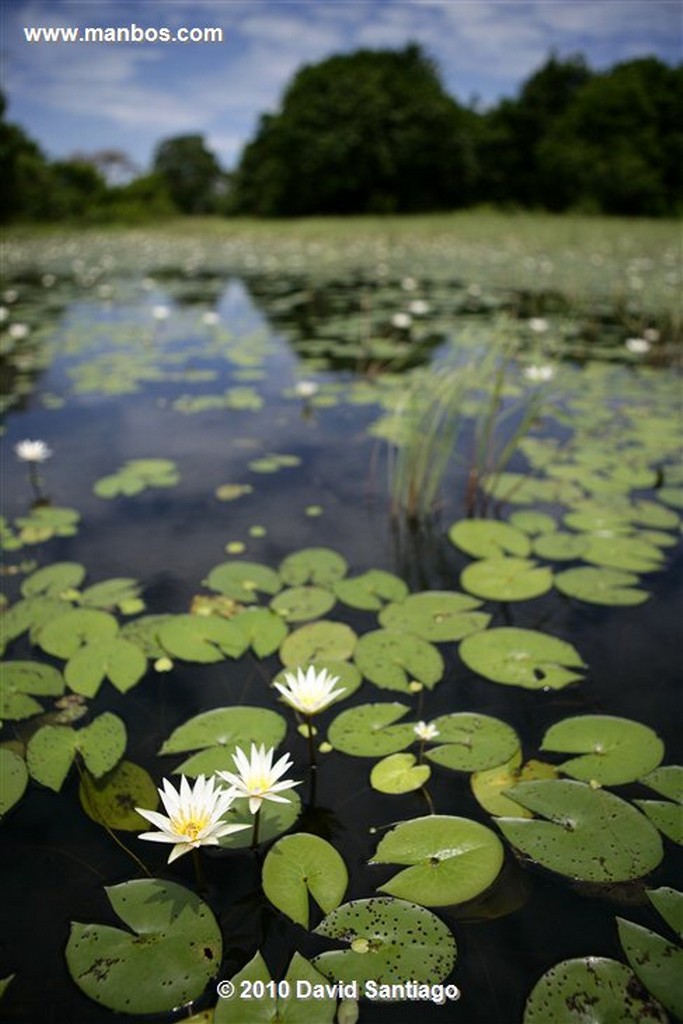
column 129, row 96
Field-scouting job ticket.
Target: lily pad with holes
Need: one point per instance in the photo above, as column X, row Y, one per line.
column 274, row 820
column 53, row 580
column 218, row 732
column 115, row 658
column 263, row 630
column 487, row 538
column 202, row 638
column 522, row 657
column 399, row 773
column 65, row 634
column 560, row 546
column 111, row 800
column 392, row 660
column 469, row 742
column 371, row 590
column 656, row 961
column 490, row 786
column 51, row 750
column 601, row 586
column 301, row 604
column 318, row 642
column 451, row 860
column 369, row 730
column 299, row 865
column 20, row 681
column 278, row 1009
column 436, row 616
column 614, row 750
column 591, row 988
column 390, row 940
column 165, row 960
column 506, row 579
column 319, row 566
column 13, row 779
column 589, row 834
column 243, row 581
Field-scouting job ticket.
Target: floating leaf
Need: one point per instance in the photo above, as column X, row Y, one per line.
column 601, row 586
column 399, row 773
column 113, row 593
column 666, row 780
column 436, row 616
column 471, row 742
column 451, row 859
column 242, row 580
column 218, row 732
column 53, row 580
column 486, row 538
column 203, row 638
column 590, row 834
column 368, row 730
column 320, row 566
column 314, row 1006
column 264, row 630
column 669, row 904
column 521, row 657
column 51, row 749
column 19, row 681
column 560, row 546
column 301, row 864
column 30, row 614
column 506, row 579
column 144, row 633
column 140, row 973
column 489, row 786
column 390, row 659
column 116, row 659
column 102, row 743
column 532, row 522
column 627, row 553
column 657, row 962
column 370, row 590
column 13, row 779
column 591, row 988
column 616, row 750
column 300, row 604
column 317, row 642
column 401, row 941
column 64, row 635
column 230, row 492
column 666, row 816
column 111, row 800
column 275, row 819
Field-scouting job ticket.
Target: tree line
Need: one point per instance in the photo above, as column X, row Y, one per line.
column 376, row 132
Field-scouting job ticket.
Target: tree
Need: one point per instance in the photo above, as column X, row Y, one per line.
column 371, row 131
column 191, row 173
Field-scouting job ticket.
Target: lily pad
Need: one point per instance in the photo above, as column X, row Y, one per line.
column 371, row 590
column 657, row 962
column 218, row 732
column 489, row 786
column 435, row 616
column 318, row 642
column 486, row 538
column 666, row 816
column 144, row 633
column 301, row 604
column 319, row 566
column 51, row 750
column 202, row 638
column 111, row 800
column 669, row 903
column 264, row 630
column 522, row 657
column 591, row 988
column 114, row 593
column 13, row 779
column 243, row 580
column 20, row 681
column 451, row 859
column 532, row 522
column 666, row 780
column 64, row 635
column 399, row 773
column 627, row 553
column 275, row 819
column 53, row 580
column 391, row 659
column 116, row 659
column 368, row 730
column 560, row 546
column 137, row 971
column 601, row 586
column 299, row 865
column 279, row 1009
column 506, row 579
column 590, row 834
column 615, row 750
column 469, row 742
column 390, row 940
column 29, row 614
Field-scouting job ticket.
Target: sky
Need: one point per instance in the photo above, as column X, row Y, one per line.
column 80, row 98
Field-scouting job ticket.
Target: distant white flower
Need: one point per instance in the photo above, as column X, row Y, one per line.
column 257, row 776
column 161, row 312
column 408, row 284
column 402, row 321
column 210, row 318
column 637, row 346
column 425, row 731
column 538, row 324
column 651, row 334
column 194, row 816
column 18, row 331
column 309, row 692
column 32, row 451
column 539, row 374
column 11, row 295
column 306, row 388
column 418, row 307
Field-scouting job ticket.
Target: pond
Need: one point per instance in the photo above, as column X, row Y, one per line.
column 459, row 501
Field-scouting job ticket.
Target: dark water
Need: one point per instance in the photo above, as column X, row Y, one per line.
column 56, row 861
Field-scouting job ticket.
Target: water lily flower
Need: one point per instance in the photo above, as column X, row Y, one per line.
column 425, row 731
column 210, row 318
column 161, row 312
column 651, row 334
column 402, row 321
column 637, row 346
column 257, row 777
column 309, row 692
column 32, row 451
column 539, row 374
column 194, row 816
column 18, row 331
column 306, row 388
column 538, row 325
column 418, row 307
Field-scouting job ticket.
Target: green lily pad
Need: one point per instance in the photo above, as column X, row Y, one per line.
column 435, row 616
column 672, row 496
column 264, row 630
column 592, row 518
column 144, row 633
column 471, row 742
column 391, row 659
column 13, row 779
column 274, row 820
column 299, row 865
column 531, row 522
column 651, row 513
column 451, row 859
column 371, row 590
column 53, row 579
column 51, row 750
column 137, row 971
column 29, row 614
column 560, row 546
column 486, row 538
column 317, row 1008
column 601, row 586
column 301, row 604
column 111, row 800
column 666, row 816
column 64, row 635
column 489, row 786
column 399, row 773
column 116, row 659
column 656, row 961
column 203, row 638
column 521, row 657
column 591, row 988
column 318, row 642
column 401, row 940
column 666, row 780
column 590, row 834
column 243, row 580
column 368, row 730
column 627, row 553
column 319, row 566
column 113, row 593
column 19, row 681
column 669, row 903
column 218, row 732
column 615, row 750
column 506, row 579
column 4, row 982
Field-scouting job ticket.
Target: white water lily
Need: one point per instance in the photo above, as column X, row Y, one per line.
column 539, row 374
column 257, row 777
column 538, row 325
column 426, row 731
column 161, row 312
column 402, row 321
column 194, row 816
column 309, row 692
column 306, row 388
column 637, row 346
column 32, row 451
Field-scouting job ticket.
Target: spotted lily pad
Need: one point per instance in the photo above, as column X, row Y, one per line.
column 137, row 971
column 657, row 961
column 319, row 566
column 451, row 859
column 13, row 779
column 666, row 780
column 669, row 903
column 522, row 657
column 601, row 586
column 615, row 750
column 589, row 834
column 591, row 988
column 371, row 590
column 53, row 580
column 20, row 681
column 369, row 731
column 111, row 800
column 665, row 815
column 390, row 940
column 32, row 614
column 114, row 658
column 391, row 659
column 469, row 742
column 301, row 864
column 51, row 750
column 301, row 604
column 435, row 615
column 243, row 580
column 399, row 773
column 506, row 579
column 486, row 538
column 490, row 786
column 64, row 635
column 273, row 1008
column 316, row 642
column 202, row 638
column 216, row 733
column 264, row 631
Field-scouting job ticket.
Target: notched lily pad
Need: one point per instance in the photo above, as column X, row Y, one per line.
column 522, row 657
column 202, row 638
column 243, row 580
column 111, row 800
column 53, row 580
column 301, row 864
column 399, row 773
column 369, row 731
column 487, row 538
column 391, row 660
column 271, row 1009
column 319, row 566
column 436, row 616
column 615, row 750
column 657, row 962
column 13, row 779
column 318, row 642
column 469, row 742
column 371, row 590
column 601, row 586
column 20, row 681
column 506, row 579
column 301, row 604
column 217, row 732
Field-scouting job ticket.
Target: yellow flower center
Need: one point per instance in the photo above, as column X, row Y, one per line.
column 191, row 828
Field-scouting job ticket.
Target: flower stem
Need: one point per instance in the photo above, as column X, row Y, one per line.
column 198, row 870
column 428, row 799
column 311, row 743
column 254, row 834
